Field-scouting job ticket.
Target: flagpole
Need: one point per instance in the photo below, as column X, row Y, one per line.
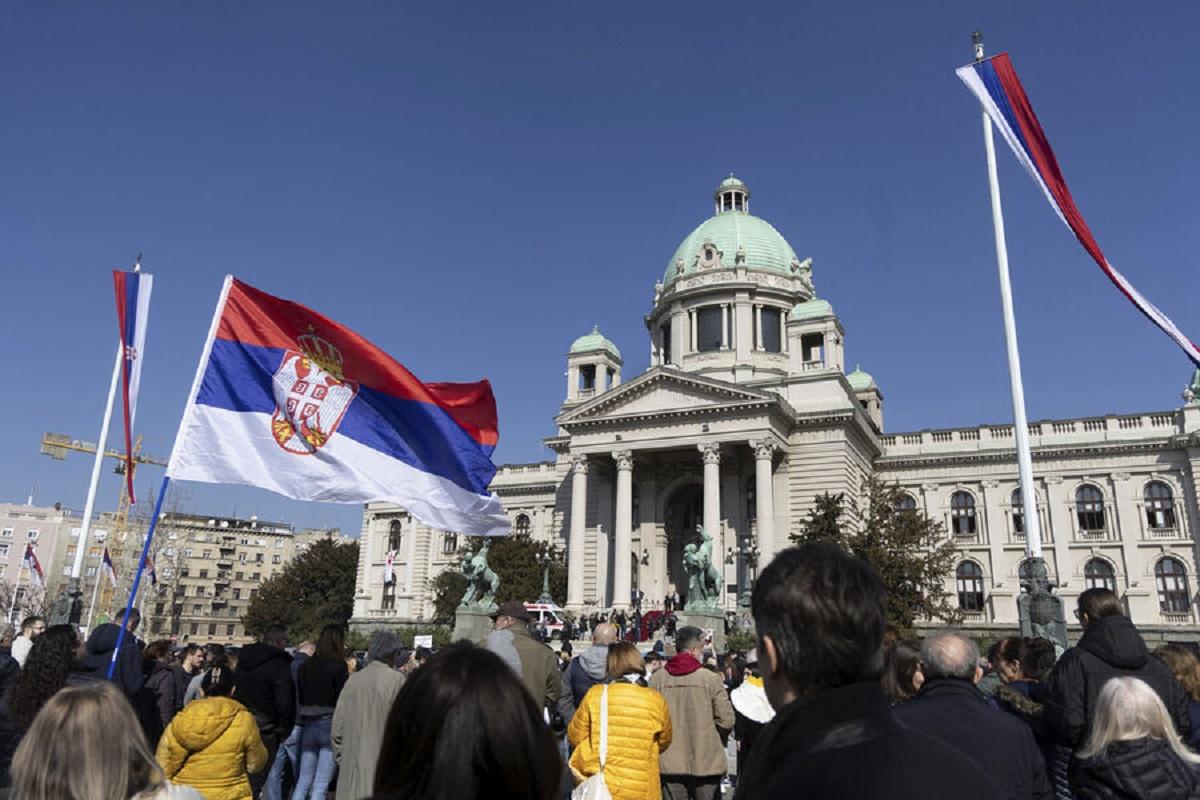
column 92, row 607
column 137, row 578
column 12, row 606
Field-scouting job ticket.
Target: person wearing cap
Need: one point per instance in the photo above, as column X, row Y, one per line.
column 535, row 663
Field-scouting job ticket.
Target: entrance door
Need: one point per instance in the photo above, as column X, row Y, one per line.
column 684, row 511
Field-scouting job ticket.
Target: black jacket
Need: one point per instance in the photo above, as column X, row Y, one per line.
column 263, row 684
column 321, row 681
column 1142, row 768
column 847, row 743
column 1110, row 647
column 958, row 714
column 98, row 652
column 9, row 669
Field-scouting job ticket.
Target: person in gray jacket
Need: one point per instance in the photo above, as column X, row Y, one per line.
column 361, row 716
column 585, row 671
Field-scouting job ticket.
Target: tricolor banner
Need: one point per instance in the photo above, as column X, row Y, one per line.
column 31, row 563
column 133, row 315
column 289, row 400
column 106, row 566
column 994, row 82
column 389, row 576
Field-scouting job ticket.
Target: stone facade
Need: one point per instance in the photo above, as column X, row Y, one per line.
column 746, row 413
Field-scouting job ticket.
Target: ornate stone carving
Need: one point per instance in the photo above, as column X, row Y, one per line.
column 579, row 464
column 763, row 448
column 711, row 452
column 679, row 266
column 740, row 256
column 624, row 459
column 803, row 271
column 709, row 256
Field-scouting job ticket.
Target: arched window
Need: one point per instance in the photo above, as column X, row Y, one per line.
column 1089, row 508
column 1170, row 576
column 906, row 502
column 521, row 526
column 1098, row 574
column 962, row 514
column 395, row 536
column 449, row 543
column 969, row 579
column 1160, row 506
column 1018, row 512
column 389, row 596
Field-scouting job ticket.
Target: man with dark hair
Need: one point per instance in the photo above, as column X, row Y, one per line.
column 31, row 628
column 1110, row 647
column 98, row 651
column 263, row 681
column 701, row 716
column 191, row 662
column 950, row 708
column 819, row 613
column 361, row 716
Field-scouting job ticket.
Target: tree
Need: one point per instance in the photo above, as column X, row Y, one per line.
column 515, row 560
column 311, row 591
column 909, row 550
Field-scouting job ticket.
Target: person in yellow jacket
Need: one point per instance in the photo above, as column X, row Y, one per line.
column 639, row 729
column 213, row 744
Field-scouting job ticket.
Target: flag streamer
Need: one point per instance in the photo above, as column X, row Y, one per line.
column 133, row 315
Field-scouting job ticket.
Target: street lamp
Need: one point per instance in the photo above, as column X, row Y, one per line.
column 745, row 555
column 544, row 557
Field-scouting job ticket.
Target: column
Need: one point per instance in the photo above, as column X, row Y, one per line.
column 1062, row 527
column 623, row 531
column 579, row 470
column 758, row 337
column 712, row 507
column 572, row 382
column 692, row 331
column 764, row 498
column 726, row 343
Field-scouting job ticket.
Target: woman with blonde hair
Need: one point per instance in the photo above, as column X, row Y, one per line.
column 86, row 744
column 1186, row 668
column 639, row 729
column 1133, row 750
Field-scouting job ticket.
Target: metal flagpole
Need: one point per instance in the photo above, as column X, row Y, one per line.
column 1033, row 607
column 12, row 606
column 92, row 607
column 137, row 578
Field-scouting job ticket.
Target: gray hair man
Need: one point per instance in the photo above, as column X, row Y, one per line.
column 361, row 715
column 951, row 709
column 586, row 670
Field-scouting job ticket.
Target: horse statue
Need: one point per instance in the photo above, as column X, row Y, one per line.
column 482, row 582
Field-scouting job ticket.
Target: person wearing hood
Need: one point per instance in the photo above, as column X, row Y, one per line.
column 752, row 710
column 213, row 744
column 265, row 687
column 585, row 670
column 97, row 655
column 701, row 716
column 1110, row 647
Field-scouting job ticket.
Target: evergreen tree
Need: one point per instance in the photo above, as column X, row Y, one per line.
column 909, row 550
column 514, row 559
column 311, row 591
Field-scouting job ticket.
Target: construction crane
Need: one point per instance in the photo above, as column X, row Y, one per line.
column 57, row 445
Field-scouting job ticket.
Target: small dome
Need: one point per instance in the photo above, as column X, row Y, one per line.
column 861, row 381
column 811, row 309
column 732, row 182
column 594, row 341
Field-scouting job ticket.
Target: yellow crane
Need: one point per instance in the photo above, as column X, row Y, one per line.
column 57, row 445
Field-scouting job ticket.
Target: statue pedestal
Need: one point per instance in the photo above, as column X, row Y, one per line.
column 705, row 620
column 472, row 623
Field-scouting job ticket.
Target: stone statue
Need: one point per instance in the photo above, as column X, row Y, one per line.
column 1191, row 394
column 1039, row 609
column 482, row 582
column 60, row 612
column 704, row 579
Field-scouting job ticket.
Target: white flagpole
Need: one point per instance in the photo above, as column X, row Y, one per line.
column 1033, row 531
column 77, row 565
column 12, row 606
column 92, row 607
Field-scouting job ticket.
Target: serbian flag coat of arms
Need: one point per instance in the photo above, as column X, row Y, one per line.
column 289, row 400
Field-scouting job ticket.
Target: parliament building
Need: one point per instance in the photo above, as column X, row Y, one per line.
column 747, row 413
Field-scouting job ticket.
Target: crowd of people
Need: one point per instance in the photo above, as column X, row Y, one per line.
column 832, row 703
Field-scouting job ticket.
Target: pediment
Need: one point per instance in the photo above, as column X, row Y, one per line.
column 663, row 391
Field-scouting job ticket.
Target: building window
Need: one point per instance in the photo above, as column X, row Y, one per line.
column 90, row 572
column 969, row 579
column 1018, row 512
column 812, row 348
column 905, row 502
column 239, row 576
column 197, row 609
column 664, row 333
column 212, row 629
column 449, row 544
column 708, row 329
column 237, row 593
column 1160, row 506
column 229, row 629
column 395, row 536
column 1098, row 574
column 521, row 528
column 389, row 596
column 206, row 553
column 4, row 550
column 194, row 627
column 1170, row 576
column 1089, row 508
column 31, row 534
column 8, row 532
column 962, row 514
column 772, row 330
column 203, row 573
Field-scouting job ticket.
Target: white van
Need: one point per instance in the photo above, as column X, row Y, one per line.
column 547, row 615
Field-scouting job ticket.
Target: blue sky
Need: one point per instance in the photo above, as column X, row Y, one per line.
column 473, row 185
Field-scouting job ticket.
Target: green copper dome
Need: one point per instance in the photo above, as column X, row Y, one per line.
column 594, row 341
column 811, row 309
column 861, row 381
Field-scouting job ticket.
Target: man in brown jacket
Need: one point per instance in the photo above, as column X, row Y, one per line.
column 535, row 663
column 701, row 716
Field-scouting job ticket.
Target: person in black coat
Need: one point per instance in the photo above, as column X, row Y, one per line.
column 97, row 655
column 819, row 613
column 263, row 684
column 1110, row 647
column 949, row 707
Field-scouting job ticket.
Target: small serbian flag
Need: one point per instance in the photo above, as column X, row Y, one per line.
column 388, row 575
column 289, row 400
column 106, row 566
column 133, row 314
column 150, row 572
column 31, row 563
column 994, row 82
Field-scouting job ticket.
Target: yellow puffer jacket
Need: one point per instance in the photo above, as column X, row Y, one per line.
column 212, row 745
column 639, row 728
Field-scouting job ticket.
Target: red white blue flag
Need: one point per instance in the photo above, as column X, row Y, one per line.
column 995, row 83
column 106, row 566
column 289, row 400
column 151, row 572
column 133, row 314
column 31, row 563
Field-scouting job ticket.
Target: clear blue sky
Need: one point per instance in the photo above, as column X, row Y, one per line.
column 474, row 185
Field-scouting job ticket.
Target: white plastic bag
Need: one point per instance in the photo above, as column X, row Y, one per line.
column 594, row 788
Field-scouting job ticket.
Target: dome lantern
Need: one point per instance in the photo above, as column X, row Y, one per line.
column 732, row 195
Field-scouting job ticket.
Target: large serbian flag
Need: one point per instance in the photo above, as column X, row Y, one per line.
column 31, row 563
column 133, row 314
column 289, row 400
column 995, row 83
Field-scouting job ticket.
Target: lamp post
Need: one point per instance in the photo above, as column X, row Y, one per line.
column 745, row 555
column 544, row 557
